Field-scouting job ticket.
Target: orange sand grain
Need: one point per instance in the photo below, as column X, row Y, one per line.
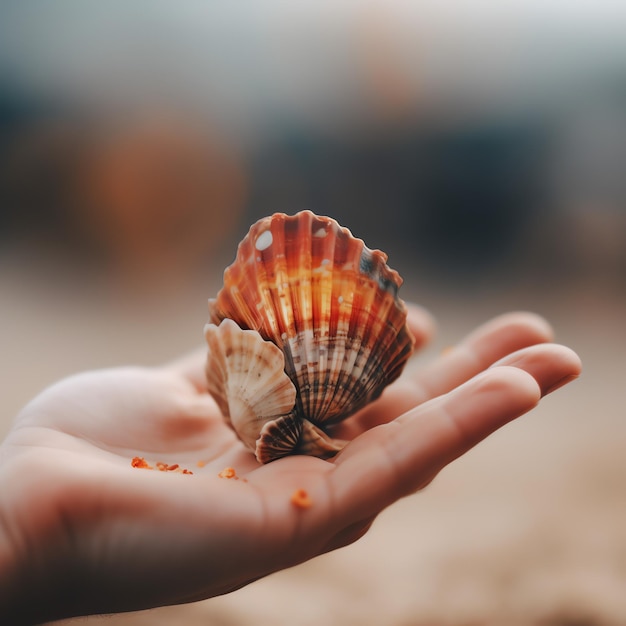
column 301, row 499
column 141, row 463
column 228, row 472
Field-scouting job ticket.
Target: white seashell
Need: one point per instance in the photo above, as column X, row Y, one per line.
column 246, row 376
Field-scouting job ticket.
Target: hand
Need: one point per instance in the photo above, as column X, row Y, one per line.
column 82, row 531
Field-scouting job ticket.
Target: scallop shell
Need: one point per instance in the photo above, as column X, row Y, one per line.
column 307, row 330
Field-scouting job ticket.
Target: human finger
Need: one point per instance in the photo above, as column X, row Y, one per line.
column 551, row 365
column 480, row 349
column 191, row 366
column 421, row 324
column 395, row 459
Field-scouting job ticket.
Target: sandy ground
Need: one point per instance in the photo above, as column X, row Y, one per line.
column 528, row 528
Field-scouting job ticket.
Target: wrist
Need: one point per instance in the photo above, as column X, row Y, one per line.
column 13, row 591
column 27, row 596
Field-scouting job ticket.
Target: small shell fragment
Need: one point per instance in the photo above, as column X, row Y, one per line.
column 140, row 462
column 301, row 499
column 228, row 472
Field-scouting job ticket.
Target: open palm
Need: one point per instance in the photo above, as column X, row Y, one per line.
column 84, row 530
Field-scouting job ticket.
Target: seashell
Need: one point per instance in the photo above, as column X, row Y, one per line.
column 307, row 329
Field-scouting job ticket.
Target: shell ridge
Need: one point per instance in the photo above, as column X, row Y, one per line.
column 338, row 374
column 302, row 269
column 381, row 340
column 216, row 372
column 277, row 438
column 358, row 333
column 270, row 329
column 279, row 291
column 375, row 306
column 315, row 441
column 250, row 268
column 402, row 347
column 360, row 348
column 323, row 252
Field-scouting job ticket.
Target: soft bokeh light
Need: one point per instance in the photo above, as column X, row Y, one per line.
column 482, row 145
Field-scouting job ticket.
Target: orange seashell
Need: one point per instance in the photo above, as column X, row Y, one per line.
column 331, row 306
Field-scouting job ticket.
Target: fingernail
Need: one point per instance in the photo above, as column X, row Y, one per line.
column 560, row 383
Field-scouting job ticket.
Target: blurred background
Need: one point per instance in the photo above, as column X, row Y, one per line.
column 481, row 145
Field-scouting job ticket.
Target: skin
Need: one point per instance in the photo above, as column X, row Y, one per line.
column 83, row 532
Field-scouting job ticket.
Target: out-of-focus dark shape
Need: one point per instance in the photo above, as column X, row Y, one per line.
column 142, row 196
column 480, row 189
column 480, row 143
column 158, row 194
column 36, row 157
column 457, row 199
